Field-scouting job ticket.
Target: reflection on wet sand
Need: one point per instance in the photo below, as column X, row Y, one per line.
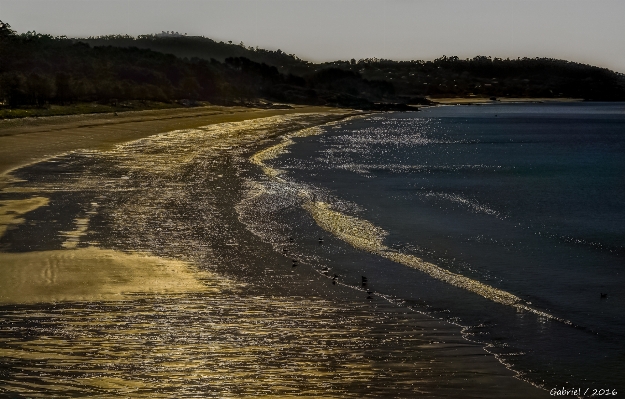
column 192, row 346
column 11, row 210
column 225, row 345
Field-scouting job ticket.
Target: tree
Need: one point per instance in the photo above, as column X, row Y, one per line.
column 14, row 88
column 64, row 91
column 5, row 31
column 40, row 88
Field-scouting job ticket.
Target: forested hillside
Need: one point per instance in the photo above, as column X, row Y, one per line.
column 445, row 76
column 37, row 70
column 486, row 76
column 202, row 47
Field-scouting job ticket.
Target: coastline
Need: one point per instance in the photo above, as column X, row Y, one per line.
column 487, row 100
column 369, row 347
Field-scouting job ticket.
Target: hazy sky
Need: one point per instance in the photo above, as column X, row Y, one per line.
column 588, row 31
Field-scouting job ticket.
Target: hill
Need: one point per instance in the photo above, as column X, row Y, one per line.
column 38, row 70
column 445, row 76
column 202, row 47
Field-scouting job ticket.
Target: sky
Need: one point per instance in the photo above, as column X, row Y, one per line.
column 587, row 31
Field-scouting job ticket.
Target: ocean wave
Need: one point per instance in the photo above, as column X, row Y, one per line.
column 468, row 203
column 399, row 168
column 366, row 236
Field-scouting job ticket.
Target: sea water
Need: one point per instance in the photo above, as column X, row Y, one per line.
column 506, row 219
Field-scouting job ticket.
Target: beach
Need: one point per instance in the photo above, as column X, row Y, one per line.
column 29, row 139
column 129, row 269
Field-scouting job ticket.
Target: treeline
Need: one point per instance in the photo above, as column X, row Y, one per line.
column 40, row 69
column 445, row 76
column 202, row 47
column 37, row 69
column 486, row 76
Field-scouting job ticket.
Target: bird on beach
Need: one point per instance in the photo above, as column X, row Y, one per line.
column 603, row 295
column 364, row 281
column 320, row 240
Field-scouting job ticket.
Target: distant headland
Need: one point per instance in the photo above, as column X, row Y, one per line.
column 45, row 75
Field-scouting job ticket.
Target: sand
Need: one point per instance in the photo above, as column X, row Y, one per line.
column 27, row 140
column 11, row 210
column 93, row 274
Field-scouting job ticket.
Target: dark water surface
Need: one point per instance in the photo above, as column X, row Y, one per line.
column 525, row 198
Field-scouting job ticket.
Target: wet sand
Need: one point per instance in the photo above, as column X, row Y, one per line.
column 127, row 272
column 92, row 274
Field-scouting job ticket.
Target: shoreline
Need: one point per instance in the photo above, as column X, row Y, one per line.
column 268, row 280
column 505, row 100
